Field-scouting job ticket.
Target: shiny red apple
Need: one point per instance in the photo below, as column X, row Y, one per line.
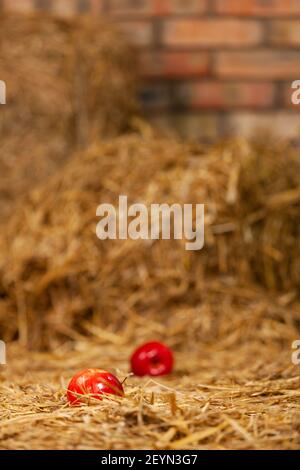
column 153, row 358
column 93, row 383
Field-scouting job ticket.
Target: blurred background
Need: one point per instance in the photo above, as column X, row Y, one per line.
column 210, row 67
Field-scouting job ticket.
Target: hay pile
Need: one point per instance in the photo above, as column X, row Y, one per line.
column 55, row 275
column 67, row 82
column 90, row 302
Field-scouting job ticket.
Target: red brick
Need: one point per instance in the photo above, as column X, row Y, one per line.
column 19, row 5
column 97, row 6
column 155, row 7
column 84, row 6
column 258, row 7
column 130, row 7
column 285, row 33
column 211, row 33
column 64, row 8
column 222, row 95
column 263, row 64
column 43, row 5
column 139, row 33
column 171, row 64
column 182, row 7
column 281, row 123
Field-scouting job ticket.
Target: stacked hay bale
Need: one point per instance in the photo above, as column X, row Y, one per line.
column 67, row 82
column 55, row 274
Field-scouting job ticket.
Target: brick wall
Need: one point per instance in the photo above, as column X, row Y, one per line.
column 210, row 67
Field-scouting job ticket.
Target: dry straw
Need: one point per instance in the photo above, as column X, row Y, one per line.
column 220, row 396
column 56, row 275
column 67, row 81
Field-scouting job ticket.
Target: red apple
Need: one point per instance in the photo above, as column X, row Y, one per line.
column 93, row 383
column 153, row 359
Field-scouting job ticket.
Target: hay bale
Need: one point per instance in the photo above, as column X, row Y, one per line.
column 55, row 274
column 67, row 82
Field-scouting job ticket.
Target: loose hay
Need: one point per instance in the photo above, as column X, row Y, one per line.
column 67, row 82
column 246, row 397
column 55, row 275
